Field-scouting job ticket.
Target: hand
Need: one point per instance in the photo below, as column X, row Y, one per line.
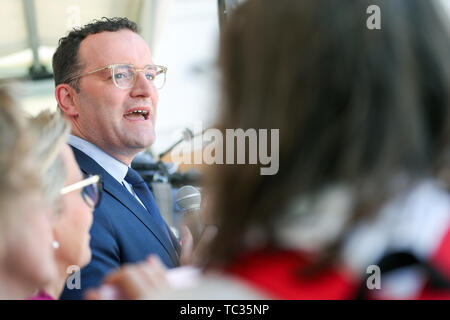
column 135, row 282
column 190, row 253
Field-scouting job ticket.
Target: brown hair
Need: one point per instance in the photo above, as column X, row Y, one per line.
column 353, row 106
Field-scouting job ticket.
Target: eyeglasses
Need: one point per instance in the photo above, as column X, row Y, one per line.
column 124, row 75
column 91, row 192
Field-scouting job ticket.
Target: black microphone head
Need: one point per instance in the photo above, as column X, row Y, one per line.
column 189, row 198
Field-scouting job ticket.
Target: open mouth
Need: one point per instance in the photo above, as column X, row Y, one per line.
column 137, row 114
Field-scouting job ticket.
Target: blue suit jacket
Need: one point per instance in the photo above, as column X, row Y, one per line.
column 123, row 231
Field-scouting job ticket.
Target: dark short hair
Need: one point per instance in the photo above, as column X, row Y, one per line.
column 66, row 63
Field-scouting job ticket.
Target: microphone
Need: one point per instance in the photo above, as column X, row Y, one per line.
column 144, row 166
column 187, row 135
column 189, row 199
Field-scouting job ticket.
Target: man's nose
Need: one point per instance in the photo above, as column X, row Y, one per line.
column 142, row 86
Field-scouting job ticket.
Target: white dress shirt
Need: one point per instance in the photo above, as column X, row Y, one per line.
column 114, row 167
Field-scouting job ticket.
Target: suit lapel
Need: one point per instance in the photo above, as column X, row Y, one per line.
column 119, row 192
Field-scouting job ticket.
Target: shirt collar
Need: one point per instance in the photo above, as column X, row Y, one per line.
column 114, row 167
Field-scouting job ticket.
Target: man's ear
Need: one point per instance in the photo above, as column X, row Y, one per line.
column 67, row 99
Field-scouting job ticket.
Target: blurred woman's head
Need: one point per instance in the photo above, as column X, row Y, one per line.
column 367, row 109
column 71, row 229
column 73, row 218
column 26, row 253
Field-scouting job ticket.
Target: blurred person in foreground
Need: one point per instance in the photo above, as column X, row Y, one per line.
column 364, row 157
column 74, row 197
column 26, row 253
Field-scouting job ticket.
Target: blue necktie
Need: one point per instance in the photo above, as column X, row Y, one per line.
column 143, row 192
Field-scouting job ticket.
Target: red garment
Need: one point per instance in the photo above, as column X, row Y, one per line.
column 415, row 223
column 441, row 257
column 275, row 273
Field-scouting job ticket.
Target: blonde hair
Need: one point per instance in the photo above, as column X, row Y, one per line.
column 17, row 160
column 52, row 131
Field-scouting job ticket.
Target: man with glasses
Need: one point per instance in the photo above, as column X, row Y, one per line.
column 107, row 87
